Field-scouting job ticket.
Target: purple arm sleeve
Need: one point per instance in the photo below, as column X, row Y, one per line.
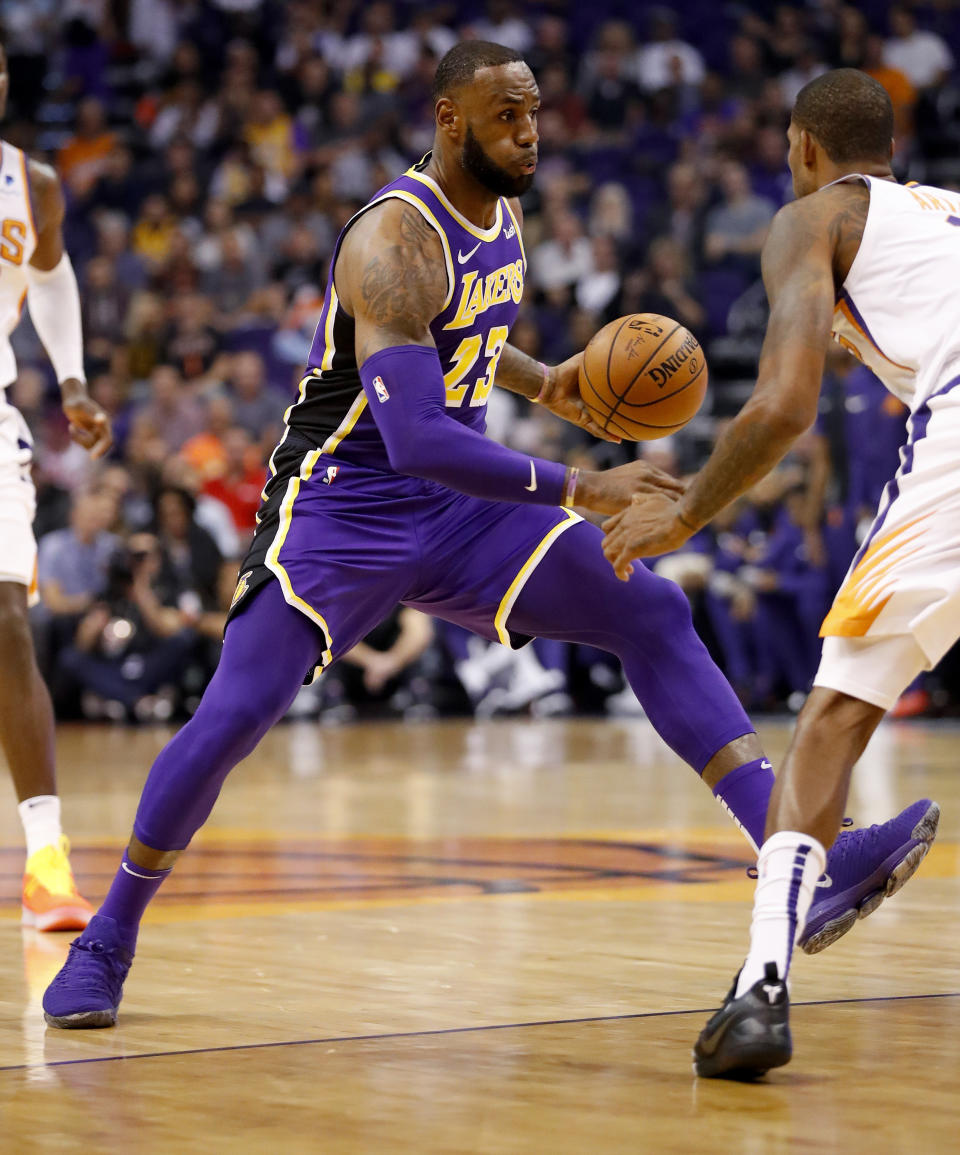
column 405, row 389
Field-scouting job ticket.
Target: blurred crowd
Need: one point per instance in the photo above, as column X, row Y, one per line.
column 211, row 150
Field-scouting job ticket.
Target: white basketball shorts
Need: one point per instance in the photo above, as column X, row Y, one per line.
column 18, row 547
column 904, row 582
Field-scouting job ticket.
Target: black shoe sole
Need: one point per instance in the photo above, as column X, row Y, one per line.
column 747, row 1061
column 85, row 1020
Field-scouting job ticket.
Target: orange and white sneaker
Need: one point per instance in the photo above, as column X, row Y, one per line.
column 51, row 900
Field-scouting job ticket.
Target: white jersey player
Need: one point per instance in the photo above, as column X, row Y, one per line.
column 872, row 264
column 898, row 314
column 34, row 269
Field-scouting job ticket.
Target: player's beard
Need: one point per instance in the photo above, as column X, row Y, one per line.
column 488, row 173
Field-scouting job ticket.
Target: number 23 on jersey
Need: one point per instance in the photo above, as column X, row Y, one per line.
column 464, row 359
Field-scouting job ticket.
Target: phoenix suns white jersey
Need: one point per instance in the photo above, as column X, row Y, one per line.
column 898, row 310
column 18, row 239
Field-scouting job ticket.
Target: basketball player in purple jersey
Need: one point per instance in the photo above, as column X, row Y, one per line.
column 384, row 489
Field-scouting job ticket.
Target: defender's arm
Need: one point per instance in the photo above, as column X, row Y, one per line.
column 799, row 278
column 798, row 275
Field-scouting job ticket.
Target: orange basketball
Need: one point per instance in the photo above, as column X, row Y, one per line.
column 643, row 376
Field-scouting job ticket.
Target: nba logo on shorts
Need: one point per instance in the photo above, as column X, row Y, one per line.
column 332, row 471
column 380, row 389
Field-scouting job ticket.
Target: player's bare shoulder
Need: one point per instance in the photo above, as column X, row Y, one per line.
column 830, row 220
column 391, row 272
column 46, row 193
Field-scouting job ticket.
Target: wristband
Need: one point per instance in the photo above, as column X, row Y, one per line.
column 570, row 487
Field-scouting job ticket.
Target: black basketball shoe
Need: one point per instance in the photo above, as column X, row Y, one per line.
column 749, row 1034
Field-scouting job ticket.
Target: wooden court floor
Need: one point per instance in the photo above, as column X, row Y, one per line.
column 455, row 938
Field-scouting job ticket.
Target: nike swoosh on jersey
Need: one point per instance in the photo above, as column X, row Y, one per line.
column 532, row 487
column 462, row 257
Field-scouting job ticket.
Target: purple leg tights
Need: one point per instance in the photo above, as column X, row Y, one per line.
column 574, row 596
column 267, row 651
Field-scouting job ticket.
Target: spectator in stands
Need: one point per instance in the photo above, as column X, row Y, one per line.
column 72, row 562
column 503, row 24
column 736, row 229
column 600, row 285
column 922, row 56
column 610, row 94
column 665, row 60
column 240, row 484
column 153, row 232
column 83, row 158
column 191, row 565
column 130, row 648
column 669, row 288
column 191, row 343
column 807, row 66
column 683, row 216
column 564, row 256
column 172, row 412
column 256, row 408
column 104, row 303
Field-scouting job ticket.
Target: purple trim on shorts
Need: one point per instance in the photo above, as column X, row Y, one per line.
column 799, row 861
column 918, row 430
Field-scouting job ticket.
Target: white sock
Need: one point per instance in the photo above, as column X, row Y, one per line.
column 41, row 821
column 788, row 868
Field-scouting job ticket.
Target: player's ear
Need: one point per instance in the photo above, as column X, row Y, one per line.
column 808, row 148
column 449, row 118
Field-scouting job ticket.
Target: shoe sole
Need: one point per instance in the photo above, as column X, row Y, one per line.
column 747, row 1062
column 837, row 927
column 60, row 918
column 82, row 1021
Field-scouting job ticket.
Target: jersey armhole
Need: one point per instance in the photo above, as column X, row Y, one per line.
column 425, row 211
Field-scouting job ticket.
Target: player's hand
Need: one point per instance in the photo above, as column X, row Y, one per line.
column 561, row 395
column 612, row 490
column 89, row 424
column 647, row 527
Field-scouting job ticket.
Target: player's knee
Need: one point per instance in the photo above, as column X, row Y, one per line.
column 241, row 717
column 229, row 729
column 660, row 612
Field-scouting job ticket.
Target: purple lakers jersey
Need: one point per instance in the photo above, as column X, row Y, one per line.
column 485, row 270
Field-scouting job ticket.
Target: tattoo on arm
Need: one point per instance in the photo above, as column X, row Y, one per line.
column 845, row 228
column 406, row 281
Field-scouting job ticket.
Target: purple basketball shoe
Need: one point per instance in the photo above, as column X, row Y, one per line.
column 863, row 868
column 89, row 986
